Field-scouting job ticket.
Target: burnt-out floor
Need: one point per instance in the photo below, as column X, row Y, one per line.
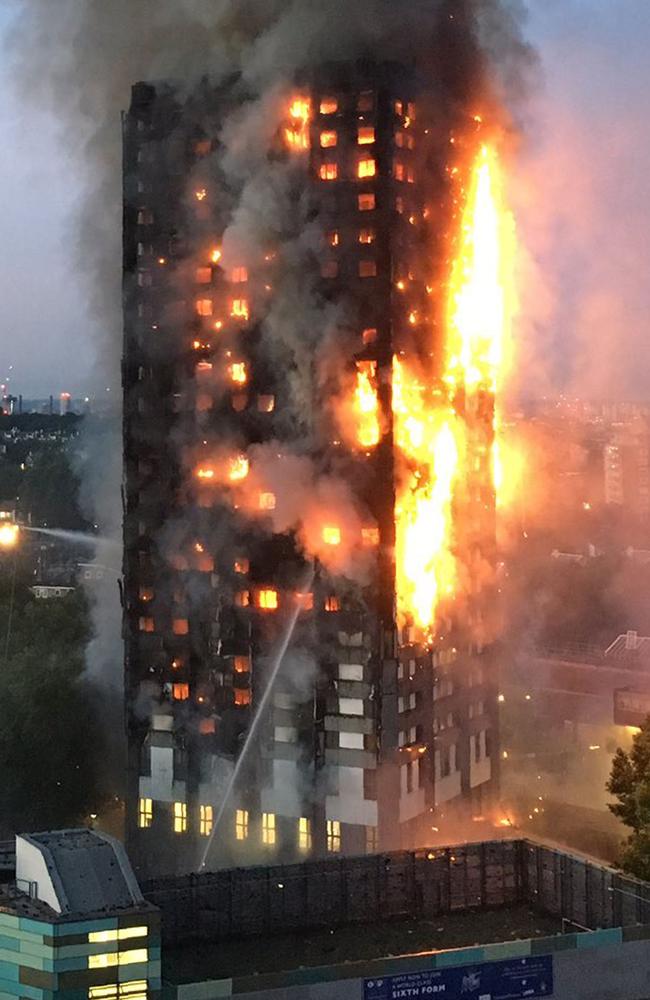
column 285, row 952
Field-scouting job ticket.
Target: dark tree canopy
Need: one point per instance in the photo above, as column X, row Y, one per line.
column 51, row 742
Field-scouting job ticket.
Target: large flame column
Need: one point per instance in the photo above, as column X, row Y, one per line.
column 446, row 437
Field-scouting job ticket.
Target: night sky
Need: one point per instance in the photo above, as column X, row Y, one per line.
column 582, row 197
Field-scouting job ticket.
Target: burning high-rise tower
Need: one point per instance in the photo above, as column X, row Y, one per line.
column 314, row 314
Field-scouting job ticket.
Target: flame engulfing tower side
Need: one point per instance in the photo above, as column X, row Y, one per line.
column 309, row 434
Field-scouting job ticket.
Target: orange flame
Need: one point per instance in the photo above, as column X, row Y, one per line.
column 297, row 133
column 237, row 372
column 331, row 535
column 366, row 405
column 428, row 439
column 238, row 468
column 440, row 440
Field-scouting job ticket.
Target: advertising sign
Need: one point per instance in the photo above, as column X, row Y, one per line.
column 513, row 979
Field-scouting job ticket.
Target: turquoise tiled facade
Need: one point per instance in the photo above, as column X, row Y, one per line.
column 49, row 959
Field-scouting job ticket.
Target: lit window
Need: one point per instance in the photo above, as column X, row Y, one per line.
column 241, row 824
column 366, row 135
column 399, row 108
column 366, row 168
column 180, row 692
column 203, row 275
column 370, row 537
column 147, row 625
column 202, row 147
column 133, row 955
column 239, row 309
column 366, row 236
column 266, row 404
column 207, row 727
column 204, row 307
column 333, row 836
column 181, row 626
column 366, row 202
column 241, row 565
column 243, row 599
column 329, row 269
column 242, row 697
column 134, row 990
column 145, row 813
column 410, row 176
column 328, row 171
column 410, row 110
column 398, row 171
column 304, row 834
column 267, row 600
column 399, row 205
column 399, row 140
column 306, row 601
column 267, row 501
column 372, row 839
column 333, row 238
column 128, row 957
column 328, row 139
column 369, row 336
column 239, row 275
column 329, row 105
column 242, row 664
column 180, row 817
column 205, row 820
column 201, row 194
column 102, row 961
column 146, row 593
column 332, row 604
column 268, row 829
column 367, row 268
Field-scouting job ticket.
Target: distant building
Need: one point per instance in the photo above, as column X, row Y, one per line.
column 45, row 593
column 627, row 471
column 74, row 925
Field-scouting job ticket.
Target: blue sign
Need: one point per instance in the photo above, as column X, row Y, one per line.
column 513, row 979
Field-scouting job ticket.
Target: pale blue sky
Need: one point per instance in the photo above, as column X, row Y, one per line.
column 592, row 274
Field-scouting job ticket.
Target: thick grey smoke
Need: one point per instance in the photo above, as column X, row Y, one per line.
column 81, row 58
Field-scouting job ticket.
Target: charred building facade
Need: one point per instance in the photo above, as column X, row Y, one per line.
column 271, row 292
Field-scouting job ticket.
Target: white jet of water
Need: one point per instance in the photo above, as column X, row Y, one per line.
column 72, row 536
column 275, row 670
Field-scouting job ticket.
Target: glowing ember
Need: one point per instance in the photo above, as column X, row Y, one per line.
column 201, row 194
column 297, row 133
column 9, row 535
column 331, row 535
column 366, row 405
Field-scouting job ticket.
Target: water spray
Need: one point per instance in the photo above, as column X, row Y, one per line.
column 277, row 663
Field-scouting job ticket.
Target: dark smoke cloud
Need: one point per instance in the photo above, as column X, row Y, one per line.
column 80, row 58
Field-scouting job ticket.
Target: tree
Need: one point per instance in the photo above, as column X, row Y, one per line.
column 629, row 782
column 52, row 771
